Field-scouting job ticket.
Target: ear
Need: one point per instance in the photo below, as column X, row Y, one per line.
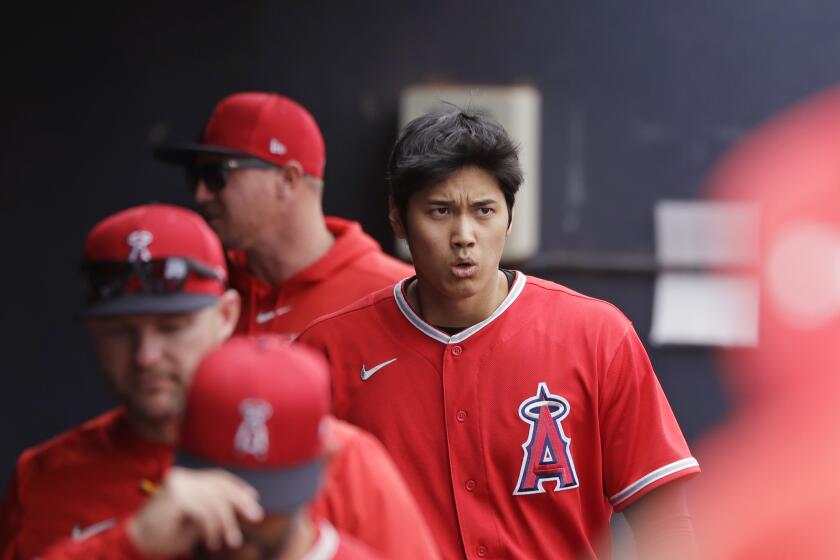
column 229, row 306
column 394, row 218
column 510, row 225
column 290, row 176
column 294, row 171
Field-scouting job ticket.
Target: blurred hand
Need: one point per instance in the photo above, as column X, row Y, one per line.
column 194, row 506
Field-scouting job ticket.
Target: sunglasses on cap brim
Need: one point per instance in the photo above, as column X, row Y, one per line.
column 109, row 279
column 215, row 174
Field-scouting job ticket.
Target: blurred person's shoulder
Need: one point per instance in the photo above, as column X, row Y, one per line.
column 353, row 316
column 75, row 444
column 74, row 448
column 357, row 258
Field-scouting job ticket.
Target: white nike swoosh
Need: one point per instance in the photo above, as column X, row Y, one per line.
column 80, row 534
column 366, row 373
column 269, row 315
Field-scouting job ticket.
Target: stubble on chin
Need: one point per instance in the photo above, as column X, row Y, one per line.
column 155, row 410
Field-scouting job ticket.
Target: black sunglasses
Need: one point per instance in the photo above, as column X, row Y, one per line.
column 215, row 174
column 108, row 279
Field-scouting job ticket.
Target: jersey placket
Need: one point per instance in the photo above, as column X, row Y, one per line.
column 466, row 452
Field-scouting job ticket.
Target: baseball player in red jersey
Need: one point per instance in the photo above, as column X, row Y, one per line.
column 257, row 176
column 520, row 412
column 256, row 409
column 157, row 303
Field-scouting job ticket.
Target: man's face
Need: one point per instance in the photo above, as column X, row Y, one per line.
column 456, row 231
column 149, row 360
column 239, row 212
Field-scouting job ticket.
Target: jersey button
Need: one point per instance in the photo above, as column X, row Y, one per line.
column 461, row 416
column 457, row 351
column 481, row 550
column 470, row 485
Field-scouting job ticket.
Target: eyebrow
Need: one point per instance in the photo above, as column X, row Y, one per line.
column 446, row 202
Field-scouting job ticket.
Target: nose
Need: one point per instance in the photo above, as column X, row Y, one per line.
column 148, row 349
column 202, row 194
column 463, row 232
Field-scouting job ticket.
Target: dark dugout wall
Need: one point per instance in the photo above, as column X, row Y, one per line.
column 639, row 98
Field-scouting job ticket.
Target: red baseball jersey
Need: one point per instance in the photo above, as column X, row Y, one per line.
column 111, row 544
column 519, row 435
column 75, row 490
column 354, row 267
column 329, row 544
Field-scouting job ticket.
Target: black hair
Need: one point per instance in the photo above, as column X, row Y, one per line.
column 432, row 147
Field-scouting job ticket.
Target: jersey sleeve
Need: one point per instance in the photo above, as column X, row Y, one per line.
column 365, row 496
column 643, row 446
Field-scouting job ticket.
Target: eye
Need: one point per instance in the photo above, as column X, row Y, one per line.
column 486, row 211
column 174, row 324
column 169, row 328
column 439, row 211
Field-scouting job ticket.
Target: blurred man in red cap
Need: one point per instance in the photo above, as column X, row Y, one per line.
column 157, row 303
column 769, row 489
column 257, row 177
column 257, row 412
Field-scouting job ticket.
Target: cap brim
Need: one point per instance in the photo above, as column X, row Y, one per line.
column 137, row 304
column 185, row 154
column 280, row 490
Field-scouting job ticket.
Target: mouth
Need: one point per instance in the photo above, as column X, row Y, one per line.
column 154, row 383
column 464, row 268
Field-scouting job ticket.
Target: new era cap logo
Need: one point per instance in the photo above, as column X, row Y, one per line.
column 139, row 242
column 277, row 147
column 252, row 435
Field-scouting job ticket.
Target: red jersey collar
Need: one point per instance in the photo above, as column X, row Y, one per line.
column 350, row 243
column 430, row 331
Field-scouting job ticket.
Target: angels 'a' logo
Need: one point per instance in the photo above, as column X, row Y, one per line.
column 547, row 453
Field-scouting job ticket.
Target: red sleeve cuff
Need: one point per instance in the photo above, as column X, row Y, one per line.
column 653, row 480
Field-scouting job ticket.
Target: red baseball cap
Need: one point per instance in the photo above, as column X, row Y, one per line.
column 257, row 408
column 155, row 258
column 267, row 126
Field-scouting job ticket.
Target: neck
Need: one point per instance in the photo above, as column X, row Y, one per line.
column 160, row 431
column 302, row 240
column 458, row 312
